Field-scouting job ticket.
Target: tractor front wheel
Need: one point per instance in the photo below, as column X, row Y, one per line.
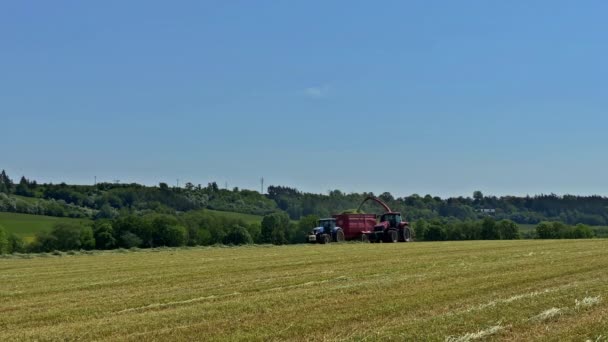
column 364, row 238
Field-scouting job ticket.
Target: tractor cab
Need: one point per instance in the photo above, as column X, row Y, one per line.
column 326, row 226
column 393, row 219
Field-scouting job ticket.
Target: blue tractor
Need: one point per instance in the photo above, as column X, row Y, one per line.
column 326, row 232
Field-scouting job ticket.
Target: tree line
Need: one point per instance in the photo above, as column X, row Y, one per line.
column 203, row 228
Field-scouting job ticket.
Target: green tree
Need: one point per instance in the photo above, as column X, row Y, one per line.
column 104, row 235
column 6, row 184
column 23, row 188
column 43, row 242
column 546, row 230
column 130, row 240
column 478, row 197
column 15, row 244
column 275, row 228
column 582, row 231
column 72, row 236
column 489, row 230
column 420, row 228
column 305, row 225
column 255, row 231
column 434, row 232
column 4, row 243
column 168, row 232
column 507, row 229
column 238, row 235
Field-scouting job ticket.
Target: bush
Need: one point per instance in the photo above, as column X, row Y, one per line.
column 420, row 228
column 4, row 243
column 43, row 242
column 71, row 236
column 489, row 231
column 434, row 233
column 15, row 244
column 238, row 235
column 104, row 235
column 167, row 231
column 275, row 228
column 508, row 230
column 130, row 240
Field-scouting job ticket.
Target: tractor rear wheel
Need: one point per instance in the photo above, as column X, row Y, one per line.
column 339, row 236
column 392, row 236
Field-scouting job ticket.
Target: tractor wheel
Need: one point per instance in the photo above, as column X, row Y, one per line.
column 326, row 238
column 364, row 238
column 339, row 236
column 392, row 236
column 405, row 234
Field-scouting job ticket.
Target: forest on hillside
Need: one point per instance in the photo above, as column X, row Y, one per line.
column 108, row 200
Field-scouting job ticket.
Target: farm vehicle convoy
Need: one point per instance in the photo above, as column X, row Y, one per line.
column 363, row 227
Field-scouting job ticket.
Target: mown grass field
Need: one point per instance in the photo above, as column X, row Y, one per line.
column 26, row 225
column 456, row 291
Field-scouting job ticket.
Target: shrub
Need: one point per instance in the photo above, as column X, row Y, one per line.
column 43, row 242
column 238, row 235
column 130, row 240
column 434, row 233
column 508, row 230
column 4, row 243
column 104, row 235
column 71, row 236
column 15, row 244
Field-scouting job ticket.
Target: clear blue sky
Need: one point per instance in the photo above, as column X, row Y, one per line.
column 439, row 97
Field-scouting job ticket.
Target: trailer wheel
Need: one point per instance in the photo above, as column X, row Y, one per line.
column 364, row 238
column 339, row 236
column 392, row 236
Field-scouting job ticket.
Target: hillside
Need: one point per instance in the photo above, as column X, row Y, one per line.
column 247, row 218
column 26, row 225
column 106, row 200
column 454, row 291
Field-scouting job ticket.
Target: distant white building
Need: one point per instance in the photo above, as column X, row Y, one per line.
column 487, row 211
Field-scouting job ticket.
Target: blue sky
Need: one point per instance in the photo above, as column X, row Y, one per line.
column 439, row 97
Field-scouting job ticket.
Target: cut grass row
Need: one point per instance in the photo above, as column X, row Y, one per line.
column 416, row 291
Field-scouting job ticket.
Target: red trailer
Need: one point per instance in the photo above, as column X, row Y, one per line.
column 356, row 226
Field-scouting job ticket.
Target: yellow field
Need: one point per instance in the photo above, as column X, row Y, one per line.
column 456, row 291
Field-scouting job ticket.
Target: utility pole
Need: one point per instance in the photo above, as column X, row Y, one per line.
column 262, row 185
column 177, row 183
column 95, row 181
column 226, row 185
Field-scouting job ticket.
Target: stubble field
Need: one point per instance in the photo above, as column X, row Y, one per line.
column 456, row 291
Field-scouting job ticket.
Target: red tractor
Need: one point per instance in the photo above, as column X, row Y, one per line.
column 391, row 227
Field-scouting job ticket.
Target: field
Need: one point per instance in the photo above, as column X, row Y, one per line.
column 26, row 225
column 247, row 218
column 457, row 291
